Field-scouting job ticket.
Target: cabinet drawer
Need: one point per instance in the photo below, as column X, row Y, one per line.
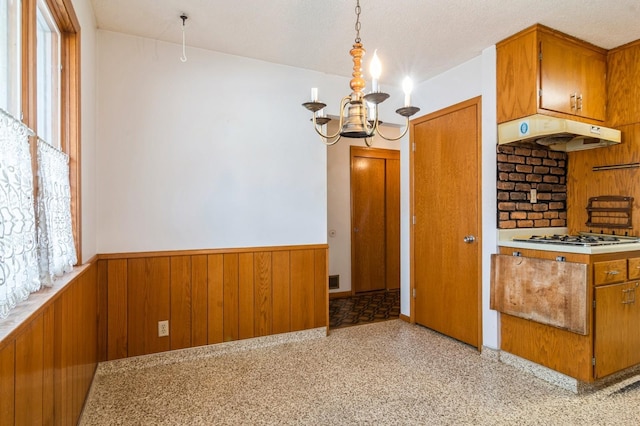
column 634, row 268
column 614, row 271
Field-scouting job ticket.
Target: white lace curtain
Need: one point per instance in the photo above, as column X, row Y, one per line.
column 56, row 251
column 18, row 247
column 30, row 255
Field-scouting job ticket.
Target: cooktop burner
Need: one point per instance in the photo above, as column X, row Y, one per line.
column 581, row 239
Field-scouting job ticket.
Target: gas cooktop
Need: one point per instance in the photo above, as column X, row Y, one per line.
column 584, row 239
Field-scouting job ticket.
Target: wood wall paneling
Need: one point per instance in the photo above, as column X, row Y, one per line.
column 584, row 183
column 199, row 300
column 263, row 300
column 117, row 303
column 302, row 290
column 48, row 361
column 246, row 296
column 181, row 303
column 215, row 282
column 7, row 383
column 29, row 366
column 102, row 308
column 230, row 297
column 321, row 286
column 148, row 294
column 281, row 291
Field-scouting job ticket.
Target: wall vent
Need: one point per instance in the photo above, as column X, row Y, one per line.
column 334, row 281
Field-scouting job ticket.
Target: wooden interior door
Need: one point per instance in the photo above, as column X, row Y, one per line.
column 375, row 219
column 446, row 207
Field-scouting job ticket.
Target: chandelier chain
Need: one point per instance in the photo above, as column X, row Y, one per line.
column 358, row 21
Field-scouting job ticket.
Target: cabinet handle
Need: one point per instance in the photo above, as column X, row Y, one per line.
column 629, row 295
column 573, row 101
column 614, row 272
column 579, row 102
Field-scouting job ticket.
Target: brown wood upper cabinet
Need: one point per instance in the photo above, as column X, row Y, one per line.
column 540, row 70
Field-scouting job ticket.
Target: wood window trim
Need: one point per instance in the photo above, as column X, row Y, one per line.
column 70, row 130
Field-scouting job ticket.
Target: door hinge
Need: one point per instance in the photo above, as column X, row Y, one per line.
column 413, row 146
column 540, row 93
column 594, row 304
column 414, row 292
column 414, row 220
column 540, row 55
column 593, row 361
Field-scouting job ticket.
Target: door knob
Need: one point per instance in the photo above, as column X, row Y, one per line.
column 469, row 239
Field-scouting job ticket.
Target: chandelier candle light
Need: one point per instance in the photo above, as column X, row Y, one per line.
column 361, row 118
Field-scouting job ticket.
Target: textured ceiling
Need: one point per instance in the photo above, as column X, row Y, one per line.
column 421, row 38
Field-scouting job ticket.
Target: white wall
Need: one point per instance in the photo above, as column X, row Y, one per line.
column 216, row 152
column 84, row 12
column 473, row 78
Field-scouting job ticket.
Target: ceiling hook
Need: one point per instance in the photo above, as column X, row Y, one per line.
column 183, row 58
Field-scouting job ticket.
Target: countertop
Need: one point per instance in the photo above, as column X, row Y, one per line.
column 505, row 239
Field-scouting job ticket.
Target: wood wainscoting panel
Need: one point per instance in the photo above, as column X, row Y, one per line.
column 281, row 291
column 7, row 383
column 231, row 296
column 29, row 374
column 47, row 366
column 321, row 296
column 216, row 298
column 103, row 309
column 302, row 294
column 117, row 309
column 180, row 299
column 211, row 296
column 148, row 293
column 48, row 361
column 246, row 296
column 199, row 300
column 263, row 297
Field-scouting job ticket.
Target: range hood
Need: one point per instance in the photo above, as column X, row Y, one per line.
column 557, row 134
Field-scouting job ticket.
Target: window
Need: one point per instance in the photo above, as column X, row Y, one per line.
column 48, row 76
column 10, row 13
column 39, row 90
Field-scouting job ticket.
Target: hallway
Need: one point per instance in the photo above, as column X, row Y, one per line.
column 385, row 373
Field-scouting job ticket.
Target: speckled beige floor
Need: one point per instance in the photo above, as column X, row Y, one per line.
column 384, row 373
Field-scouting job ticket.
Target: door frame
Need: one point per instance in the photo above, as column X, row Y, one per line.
column 379, row 153
column 477, row 101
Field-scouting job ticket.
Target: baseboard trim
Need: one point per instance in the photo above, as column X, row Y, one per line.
column 405, row 318
column 340, row 294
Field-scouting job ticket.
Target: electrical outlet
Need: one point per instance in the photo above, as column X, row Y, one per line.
column 534, row 196
column 163, row 328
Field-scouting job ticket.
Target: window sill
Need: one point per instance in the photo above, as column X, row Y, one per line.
column 24, row 311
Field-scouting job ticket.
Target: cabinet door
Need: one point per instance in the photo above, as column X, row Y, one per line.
column 617, row 340
column 592, row 73
column 572, row 78
column 557, row 75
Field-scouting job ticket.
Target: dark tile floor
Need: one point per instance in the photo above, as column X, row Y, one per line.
column 364, row 308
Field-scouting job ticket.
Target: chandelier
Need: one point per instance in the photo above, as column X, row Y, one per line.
column 359, row 112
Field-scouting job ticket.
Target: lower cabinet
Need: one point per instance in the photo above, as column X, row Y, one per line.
column 617, row 331
column 611, row 339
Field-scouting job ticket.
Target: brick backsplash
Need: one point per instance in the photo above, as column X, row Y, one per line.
column 521, row 169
